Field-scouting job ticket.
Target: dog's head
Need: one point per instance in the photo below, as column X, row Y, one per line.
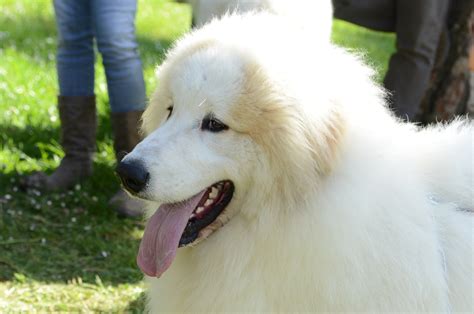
column 222, row 128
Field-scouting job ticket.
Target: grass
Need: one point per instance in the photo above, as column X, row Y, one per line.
column 67, row 251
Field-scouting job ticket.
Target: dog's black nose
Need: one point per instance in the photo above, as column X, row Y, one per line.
column 133, row 175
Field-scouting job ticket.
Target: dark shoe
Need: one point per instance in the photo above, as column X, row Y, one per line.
column 78, row 131
column 126, row 135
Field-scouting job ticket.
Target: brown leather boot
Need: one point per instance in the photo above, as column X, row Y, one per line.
column 126, row 127
column 126, row 135
column 78, row 130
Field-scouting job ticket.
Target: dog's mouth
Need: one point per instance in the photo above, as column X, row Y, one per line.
column 211, row 205
column 181, row 224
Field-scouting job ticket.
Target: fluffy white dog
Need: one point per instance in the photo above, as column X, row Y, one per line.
column 273, row 162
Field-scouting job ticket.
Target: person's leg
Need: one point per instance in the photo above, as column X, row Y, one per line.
column 75, row 56
column 76, row 101
column 418, row 27
column 114, row 27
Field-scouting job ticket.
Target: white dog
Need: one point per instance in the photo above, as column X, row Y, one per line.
column 291, row 187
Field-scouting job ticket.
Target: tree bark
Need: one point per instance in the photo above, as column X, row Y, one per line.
column 449, row 90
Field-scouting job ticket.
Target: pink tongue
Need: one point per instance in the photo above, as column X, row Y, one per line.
column 162, row 234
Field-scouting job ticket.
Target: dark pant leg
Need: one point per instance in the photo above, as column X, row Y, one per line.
column 418, row 27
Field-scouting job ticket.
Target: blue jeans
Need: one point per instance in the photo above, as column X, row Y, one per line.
column 112, row 24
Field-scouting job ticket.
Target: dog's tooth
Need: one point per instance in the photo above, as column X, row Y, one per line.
column 193, row 215
column 199, row 210
column 208, row 202
column 214, row 192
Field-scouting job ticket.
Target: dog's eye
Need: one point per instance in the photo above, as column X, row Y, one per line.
column 170, row 111
column 211, row 124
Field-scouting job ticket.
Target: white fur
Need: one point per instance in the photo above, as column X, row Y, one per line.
column 338, row 206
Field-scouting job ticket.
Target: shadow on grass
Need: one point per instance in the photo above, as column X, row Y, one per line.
column 59, row 236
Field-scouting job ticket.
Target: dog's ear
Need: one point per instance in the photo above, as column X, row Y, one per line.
column 311, row 143
column 323, row 137
column 302, row 135
column 301, row 146
column 300, row 151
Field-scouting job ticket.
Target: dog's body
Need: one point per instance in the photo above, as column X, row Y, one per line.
column 337, row 205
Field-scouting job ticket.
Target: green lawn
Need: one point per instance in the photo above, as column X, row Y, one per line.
column 68, row 251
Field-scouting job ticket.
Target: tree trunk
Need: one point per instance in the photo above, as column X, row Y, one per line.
column 449, row 90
